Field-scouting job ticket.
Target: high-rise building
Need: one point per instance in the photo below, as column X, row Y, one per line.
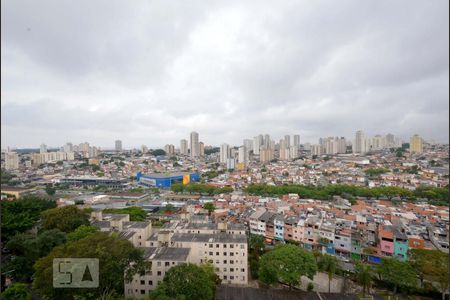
column 11, row 161
column 256, row 144
column 360, row 142
column 68, row 147
column 194, row 144
column 248, row 145
column 316, row 150
column 266, row 155
column 169, row 149
column 287, row 140
column 144, row 149
column 293, row 152
column 266, row 141
column 118, row 145
column 416, row 144
column 184, row 147
column 296, row 140
column 390, row 140
column 231, row 163
column 202, row 148
column 43, row 148
column 224, row 153
column 243, row 155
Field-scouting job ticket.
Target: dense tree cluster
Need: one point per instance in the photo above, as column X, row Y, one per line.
column 136, row 213
column 198, row 188
column 372, row 172
column 326, row 193
column 21, row 215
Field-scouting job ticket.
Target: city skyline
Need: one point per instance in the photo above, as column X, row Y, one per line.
column 225, row 70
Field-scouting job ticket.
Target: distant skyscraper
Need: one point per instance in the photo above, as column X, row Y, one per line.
column 43, row 148
column 296, row 140
column 194, row 144
column 316, row 150
column 266, row 155
column 68, row 147
column 224, row 153
column 416, row 144
column 243, row 155
column 287, row 140
column 118, row 145
column 360, row 142
column 202, row 148
column 390, row 140
column 256, row 144
column 266, row 141
column 144, row 149
column 184, row 147
column 248, row 145
column 169, row 149
column 11, row 161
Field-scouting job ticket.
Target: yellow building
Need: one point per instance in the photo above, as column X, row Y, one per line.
column 416, row 144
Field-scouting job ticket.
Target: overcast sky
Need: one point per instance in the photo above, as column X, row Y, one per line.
column 150, row 72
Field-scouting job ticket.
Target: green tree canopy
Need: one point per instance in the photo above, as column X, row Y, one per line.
column 20, row 215
column 81, row 232
column 17, row 291
column 363, row 275
column 185, row 281
column 136, row 213
column 286, row 263
column 209, row 206
column 116, row 255
column 158, row 152
column 398, row 273
column 66, row 218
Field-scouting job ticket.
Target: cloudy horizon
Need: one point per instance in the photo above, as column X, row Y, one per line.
column 148, row 73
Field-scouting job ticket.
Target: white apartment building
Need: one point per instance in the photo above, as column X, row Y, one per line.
column 194, row 144
column 224, row 153
column 184, row 147
column 222, row 244
column 11, row 161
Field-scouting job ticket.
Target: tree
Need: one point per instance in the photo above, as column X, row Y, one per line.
column 185, row 281
column 158, row 152
column 431, row 265
column 363, row 276
column 50, row 190
column 66, row 218
column 16, row 291
column 328, row 264
column 136, row 213
column 398, row 273
column 209, row 206
column 81, row 232
column 287, row 264
column 27, row 249
column 20, row 215
column 118, row 260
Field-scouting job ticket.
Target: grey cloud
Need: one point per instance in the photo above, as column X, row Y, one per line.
column 147, row 72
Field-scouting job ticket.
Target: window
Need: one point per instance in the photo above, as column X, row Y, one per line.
column 158, row 264
column 159, row 273
column 210, row 253
column 231, row 261
column 242, row 270
column 224, row 245
column 231, row 254
column 224, row 269
column 231, row 246
column 217, row 253
column 217, row 245
column 232, row 277
column 217, row 261
column 142, row 281
column 139, row 237
column 225, row 277
column 167, row 264
column 142, row 292
column 224, row 254
column 231, row 269
column 225, row 262
column 150, row 282
column 210, row 245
